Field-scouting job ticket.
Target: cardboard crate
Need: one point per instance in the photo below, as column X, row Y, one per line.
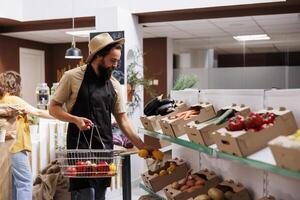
column 155, row 182
column 201, row 133
column 211, row 178
column 286, row 152
column 151, row 123
column 175, row 127
column 239, row 191
column 244, row 143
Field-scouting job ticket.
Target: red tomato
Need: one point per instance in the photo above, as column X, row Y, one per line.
column 254, row 120
column 102, row 167
column 236, row 123
column 80, row 166
column 71, row 171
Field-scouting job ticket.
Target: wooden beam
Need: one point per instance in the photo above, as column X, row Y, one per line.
column 290, row 6
column 52, row 24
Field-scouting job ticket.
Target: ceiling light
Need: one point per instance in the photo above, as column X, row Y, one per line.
column 73, row 52
column 251, row 37
column 84, row 33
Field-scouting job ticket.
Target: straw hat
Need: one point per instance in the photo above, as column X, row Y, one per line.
column 99, row 42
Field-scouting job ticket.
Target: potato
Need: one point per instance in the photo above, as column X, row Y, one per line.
column 215, row 194
column 228, row 195
column 202, row 197
column 194, row 188
column 175, row 185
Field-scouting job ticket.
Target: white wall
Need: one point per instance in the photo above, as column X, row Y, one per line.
column 244, row 77
column 169, row 64
column 43, row 9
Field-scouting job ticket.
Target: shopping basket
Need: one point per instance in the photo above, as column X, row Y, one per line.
column 89, row 163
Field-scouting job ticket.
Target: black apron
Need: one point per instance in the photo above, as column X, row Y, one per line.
column 95, row 101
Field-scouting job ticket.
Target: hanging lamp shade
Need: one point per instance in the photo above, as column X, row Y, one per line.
column 73, row 53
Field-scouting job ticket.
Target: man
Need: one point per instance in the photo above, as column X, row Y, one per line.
column 90, row 95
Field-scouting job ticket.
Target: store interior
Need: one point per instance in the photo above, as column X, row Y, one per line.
column 240, row 55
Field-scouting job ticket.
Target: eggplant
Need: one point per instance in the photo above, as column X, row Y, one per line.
column 165, row 109
column 166, row 101
column 151, row 106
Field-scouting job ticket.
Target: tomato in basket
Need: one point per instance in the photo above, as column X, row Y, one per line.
column 103, row 166
column 80, row 166
column 71, row 171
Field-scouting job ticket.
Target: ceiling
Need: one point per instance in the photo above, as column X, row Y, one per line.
column 284, row 30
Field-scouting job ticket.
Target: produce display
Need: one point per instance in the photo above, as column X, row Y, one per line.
column 227, row 190
column 285, row 149
column 192, row 185
column 253, row 122
column 173, row 125
column 159, row 106
column 245, row 136
column 170, row 171
column 201, row 132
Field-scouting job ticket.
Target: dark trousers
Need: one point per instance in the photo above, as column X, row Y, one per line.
column 89, row 194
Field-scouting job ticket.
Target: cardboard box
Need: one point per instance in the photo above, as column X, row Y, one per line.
column 244, row 143
column 239, row 191
column 175, row 127
column 211, row 178
column 201, row 133
column 151, row 123
column 155, row 143
column 286, row 152
column 155, row 182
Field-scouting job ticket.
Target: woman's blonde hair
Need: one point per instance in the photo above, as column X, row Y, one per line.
column 10, row 82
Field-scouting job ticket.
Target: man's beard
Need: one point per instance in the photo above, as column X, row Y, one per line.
column 105, row 72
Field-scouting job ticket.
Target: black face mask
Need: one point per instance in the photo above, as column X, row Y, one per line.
column 105, row 72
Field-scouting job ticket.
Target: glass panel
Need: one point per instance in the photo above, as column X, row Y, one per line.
column 268, row 56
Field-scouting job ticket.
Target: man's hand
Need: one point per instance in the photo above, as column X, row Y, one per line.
column 83, row 123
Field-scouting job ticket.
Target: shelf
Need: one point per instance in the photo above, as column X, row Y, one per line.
column 254, row 160
column 159, row 197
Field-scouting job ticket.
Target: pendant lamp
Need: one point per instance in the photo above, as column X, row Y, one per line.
column 73, row 52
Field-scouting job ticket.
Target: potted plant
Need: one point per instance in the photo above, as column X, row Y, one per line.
column 2, row 131
column 134, row 76
column 33, row 126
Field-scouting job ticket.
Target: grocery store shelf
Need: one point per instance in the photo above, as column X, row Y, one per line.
column 157, row 195
column 262, row 159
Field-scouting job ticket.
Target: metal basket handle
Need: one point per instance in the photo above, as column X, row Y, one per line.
column 91, row 138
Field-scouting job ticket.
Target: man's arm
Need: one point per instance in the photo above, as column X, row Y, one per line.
column 129, row 131
column 57, row 111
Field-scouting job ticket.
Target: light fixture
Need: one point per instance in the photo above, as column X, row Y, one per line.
column 73, row 52
column 243, row 38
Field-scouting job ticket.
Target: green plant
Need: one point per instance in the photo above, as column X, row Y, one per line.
column 32, row 119
column 184, row 82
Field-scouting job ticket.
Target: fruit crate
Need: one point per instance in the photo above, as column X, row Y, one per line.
column 88, row 163
column 156, row 180
column 286, row 150
column 201, row 133
column 226, row 190
column 192, row 185
column 173, row 125
column 246, row 142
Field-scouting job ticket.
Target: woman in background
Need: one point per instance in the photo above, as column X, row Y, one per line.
column 10, row 88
